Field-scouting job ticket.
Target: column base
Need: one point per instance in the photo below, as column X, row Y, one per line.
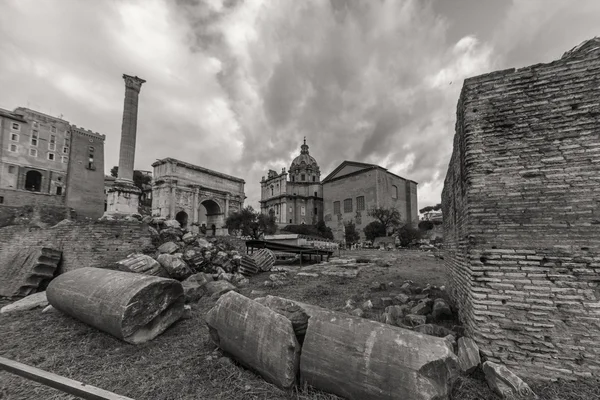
column 123, row 199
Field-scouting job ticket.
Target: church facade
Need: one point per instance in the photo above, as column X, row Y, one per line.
column 298, row 196
column 295, row 196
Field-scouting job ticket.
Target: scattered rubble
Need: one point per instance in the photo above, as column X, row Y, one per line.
column 28, row 303
column 132, row 307
column 27, row 269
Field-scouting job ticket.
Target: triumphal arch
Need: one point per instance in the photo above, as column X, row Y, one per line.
column 199, row 198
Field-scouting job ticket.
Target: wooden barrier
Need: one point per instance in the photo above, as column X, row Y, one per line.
column 61, row 383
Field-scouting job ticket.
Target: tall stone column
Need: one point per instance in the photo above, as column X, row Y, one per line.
column 124, row 196
column 133, row 84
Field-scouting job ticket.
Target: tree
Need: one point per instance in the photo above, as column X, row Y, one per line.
column 407, row 234
column 352, row 236
column 248, row 222
column 140, row 179
column 374, row 230
column 114, row 171
column 324, row 230
column 389, row 218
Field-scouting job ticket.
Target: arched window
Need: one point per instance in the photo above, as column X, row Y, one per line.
column 33, row 181
column 394, row 192
column 271, row 190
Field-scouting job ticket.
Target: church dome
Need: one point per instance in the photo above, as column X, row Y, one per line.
column 304, row 167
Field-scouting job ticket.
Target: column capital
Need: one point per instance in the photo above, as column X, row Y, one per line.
column 133, row 82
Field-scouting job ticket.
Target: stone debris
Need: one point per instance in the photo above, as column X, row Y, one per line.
column 193, row 289
column 257, row 337
column 142, row 264
column 248, row 266
column 48, row 309
column 505, row 383
column 441, row 310
column 189, row 238
column 172, row 223
column 132, row 307
column 27, row 269
column 339, row 269
column 308, row 274
column 264, row 259
column 168, row 248
column 415, row 320
column 468, row 355
column 215, row 289
column 28, row 303
column 175, row 266
column 357, row 312
column 433, row 330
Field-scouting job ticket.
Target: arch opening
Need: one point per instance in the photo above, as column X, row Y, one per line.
column 33, row 181
column 182, row 218
column 214, row 217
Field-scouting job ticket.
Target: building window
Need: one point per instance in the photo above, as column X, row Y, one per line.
column 33, row 181
column 271, row 190
column 290, row 220
column 14, row 137
column 52, row 143
column 302, row 210
column 336, row 207
column 33, row 152
column 66, row 146
column 34, row 138
column 64, row 159
column 290, row 209
column 13, row 148
column 15, row 126
column 348, row 205
column 53, row 129
column 302, row 177
column 292, row 178
column 316, row 211
column 65, row 150
column 11, row 169
column 314, row 178
column 1, row 199
column 360, row 203
column 59, row 178
column 91, row 161
column 315, row 194
column 59, row 190
column 51, row 156
column 394, row 192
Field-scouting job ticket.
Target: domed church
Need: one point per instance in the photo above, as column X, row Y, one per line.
column 296, row 196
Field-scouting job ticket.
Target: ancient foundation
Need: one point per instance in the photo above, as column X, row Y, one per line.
column 132, row 307
column 521, row 218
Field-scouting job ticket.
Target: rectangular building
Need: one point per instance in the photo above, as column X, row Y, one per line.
column 353, row 188
column 46, row 161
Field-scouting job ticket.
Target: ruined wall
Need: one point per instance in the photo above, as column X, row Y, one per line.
column 84, row 244
column 521, row 218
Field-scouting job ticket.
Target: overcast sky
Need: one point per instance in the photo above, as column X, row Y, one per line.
column 234, row 85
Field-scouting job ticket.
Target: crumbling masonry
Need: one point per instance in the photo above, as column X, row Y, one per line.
column 521, row 215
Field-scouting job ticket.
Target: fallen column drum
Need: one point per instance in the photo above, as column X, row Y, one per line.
column 132, row 307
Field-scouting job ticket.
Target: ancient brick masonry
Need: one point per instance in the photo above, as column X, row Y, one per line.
column 521, row 216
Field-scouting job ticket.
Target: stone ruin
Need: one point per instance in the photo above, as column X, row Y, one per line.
column 521, row 218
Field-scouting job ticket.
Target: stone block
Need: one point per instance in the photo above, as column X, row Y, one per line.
column 257, row 337
column 28, row 303
column 132, row 307
column 168, row 248
column 505, row 383
column 468, row 355
column 289, row 309
column 441, row 310
column 142, row 264
column 26, row 269
column 175, row 266
column 215, row 289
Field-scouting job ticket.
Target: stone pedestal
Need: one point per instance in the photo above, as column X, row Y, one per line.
column 123, row 199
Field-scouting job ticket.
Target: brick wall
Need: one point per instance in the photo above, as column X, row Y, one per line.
column 521, row 218
column 84, row 244
column 19, row 197
column 85, row 185
column 48, row 214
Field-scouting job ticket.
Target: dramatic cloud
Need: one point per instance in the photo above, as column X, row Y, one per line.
column 234, row 85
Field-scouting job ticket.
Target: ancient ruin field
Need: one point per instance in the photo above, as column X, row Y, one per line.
column 182, row 363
